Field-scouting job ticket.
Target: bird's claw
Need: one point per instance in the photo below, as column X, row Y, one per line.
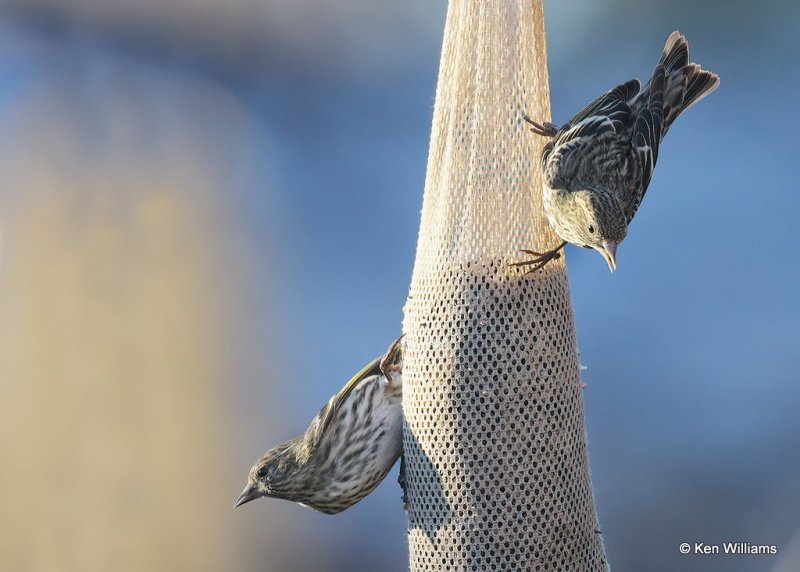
column 401, row 480
column 541, row 260
column 392, row 362
column 545, row 129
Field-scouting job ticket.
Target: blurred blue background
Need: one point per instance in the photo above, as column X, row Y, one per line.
column 239, row 184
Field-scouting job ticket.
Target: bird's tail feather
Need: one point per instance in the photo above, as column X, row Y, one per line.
column 685, row 83
column 700, row 83
column 676, row 53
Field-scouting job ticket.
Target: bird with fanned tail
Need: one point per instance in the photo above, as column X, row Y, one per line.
column 597, row 167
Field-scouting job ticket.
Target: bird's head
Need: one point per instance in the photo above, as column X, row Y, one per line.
column 273, row 475
column 599, row 223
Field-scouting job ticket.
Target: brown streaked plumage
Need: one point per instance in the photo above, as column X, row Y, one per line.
column 346, row 450
column 597, row 167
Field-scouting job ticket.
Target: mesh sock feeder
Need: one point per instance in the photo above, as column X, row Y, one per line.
column 496, row 457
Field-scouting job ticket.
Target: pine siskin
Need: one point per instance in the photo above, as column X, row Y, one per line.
column 347, row 449
column 597, row 167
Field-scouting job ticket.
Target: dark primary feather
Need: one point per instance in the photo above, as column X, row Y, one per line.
column 647, row 133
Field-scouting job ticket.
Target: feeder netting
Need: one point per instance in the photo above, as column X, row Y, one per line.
column 495, row 444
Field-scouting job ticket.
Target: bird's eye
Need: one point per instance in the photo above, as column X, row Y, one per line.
column 261, row 473
column 591, row 229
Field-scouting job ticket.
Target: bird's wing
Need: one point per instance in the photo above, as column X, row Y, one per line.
column 327, row 414
column 646, row 137
column 570, row 161
column 606, row 103
column 564, row 159
column 590, row 127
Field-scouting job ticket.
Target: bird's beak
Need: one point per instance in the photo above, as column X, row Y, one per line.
column 249, row 493
column 609, row 252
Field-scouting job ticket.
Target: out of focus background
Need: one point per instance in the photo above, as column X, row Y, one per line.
column 208, row 216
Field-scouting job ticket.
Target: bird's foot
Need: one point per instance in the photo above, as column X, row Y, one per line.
column 545, row 129
column 541, row 258
column 392, row 361
column 401, row 480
